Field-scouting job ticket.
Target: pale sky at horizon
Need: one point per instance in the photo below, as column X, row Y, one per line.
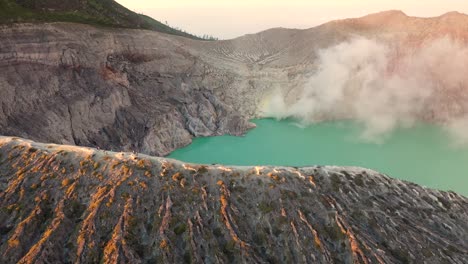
column 232, row 18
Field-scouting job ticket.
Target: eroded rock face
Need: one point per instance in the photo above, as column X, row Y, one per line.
column 93, row 87
column 81, row 205
column 150, row 92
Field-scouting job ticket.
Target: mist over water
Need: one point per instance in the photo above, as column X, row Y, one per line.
column 400, row 105
column 382, row 86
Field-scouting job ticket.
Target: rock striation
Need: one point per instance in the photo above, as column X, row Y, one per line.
column 144, row 91
column 67, row 204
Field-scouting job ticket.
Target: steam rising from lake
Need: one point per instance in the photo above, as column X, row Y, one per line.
column 381, row 86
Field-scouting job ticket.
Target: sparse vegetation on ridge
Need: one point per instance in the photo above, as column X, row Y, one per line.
column 107, row 13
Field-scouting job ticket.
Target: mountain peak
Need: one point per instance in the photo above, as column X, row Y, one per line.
column 390, row 14
column 453, row 14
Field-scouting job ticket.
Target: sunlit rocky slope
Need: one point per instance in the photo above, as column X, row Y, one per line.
column 65, row 204
column 151, row 92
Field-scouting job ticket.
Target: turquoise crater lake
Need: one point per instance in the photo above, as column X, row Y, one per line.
column 423, row 154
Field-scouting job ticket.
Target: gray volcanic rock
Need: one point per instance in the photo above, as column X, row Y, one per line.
column 132, row 90
column 64, row 204
column 152, row 92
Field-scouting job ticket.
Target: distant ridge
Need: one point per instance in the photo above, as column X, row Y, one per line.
column 399, row 14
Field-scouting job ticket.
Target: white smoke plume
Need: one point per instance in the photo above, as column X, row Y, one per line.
column 381, row 86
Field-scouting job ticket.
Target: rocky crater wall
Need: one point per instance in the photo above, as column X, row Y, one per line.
column 149, row 92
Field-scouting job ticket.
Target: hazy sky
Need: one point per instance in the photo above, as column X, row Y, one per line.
column 233, row 18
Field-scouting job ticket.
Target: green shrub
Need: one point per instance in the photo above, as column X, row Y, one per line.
column 180, row 229
column 265, row 207
column 202, row 169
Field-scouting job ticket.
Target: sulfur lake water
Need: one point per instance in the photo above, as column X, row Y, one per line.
column 423, row 154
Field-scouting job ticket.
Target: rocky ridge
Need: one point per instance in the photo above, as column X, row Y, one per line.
column 103, row 13
column 66, row 204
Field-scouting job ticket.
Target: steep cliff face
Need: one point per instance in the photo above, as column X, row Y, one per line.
column 73, row 204
column 135, row 90
column 151, row 92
